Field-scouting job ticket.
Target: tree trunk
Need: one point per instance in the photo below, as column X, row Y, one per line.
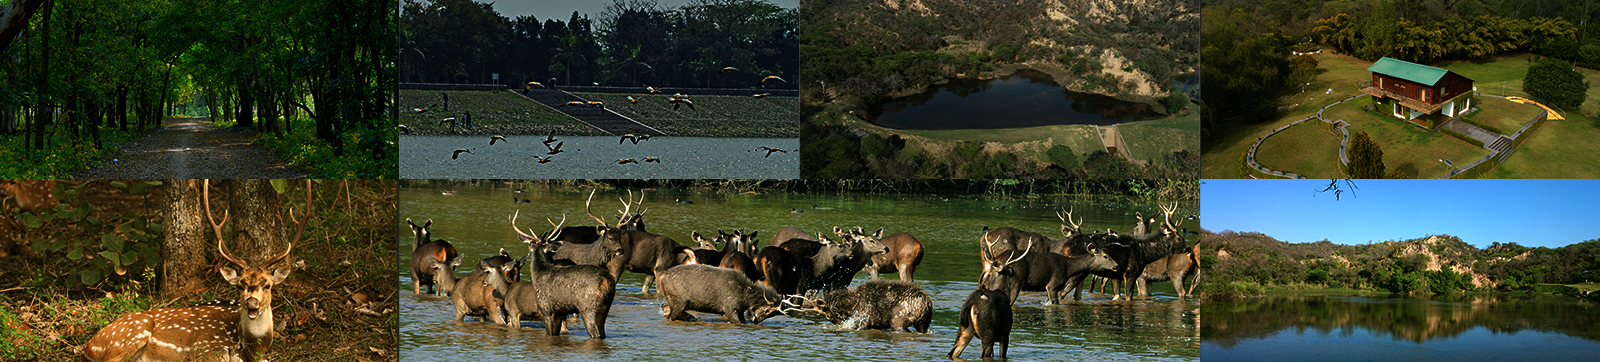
column 257, row 219
column 122, row 106
column 40, row 116
column 184, row 268
column 245, row 117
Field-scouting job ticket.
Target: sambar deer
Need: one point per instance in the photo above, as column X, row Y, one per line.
column 230, row 332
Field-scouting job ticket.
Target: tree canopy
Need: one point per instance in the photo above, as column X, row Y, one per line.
column 1556, row 83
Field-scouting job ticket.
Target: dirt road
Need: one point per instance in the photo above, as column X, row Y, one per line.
column 193, row 148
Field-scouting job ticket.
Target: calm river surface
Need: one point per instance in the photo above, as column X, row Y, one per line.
column 1025, row 99
column 1443, row 328
column 429, row 157
column 474, row 219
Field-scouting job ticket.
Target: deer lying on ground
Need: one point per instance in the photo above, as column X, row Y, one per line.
column 240, row 331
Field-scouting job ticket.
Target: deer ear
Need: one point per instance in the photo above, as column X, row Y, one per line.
column 878, row 234
column 278, row 275
column 428, row 224
column 232, row 276
column 457, row 260
column 837, row 231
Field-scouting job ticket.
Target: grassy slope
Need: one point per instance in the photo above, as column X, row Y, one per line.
column 1157, row 139
column 494, row 112
column 1506, row 115
column 713, row 116
column 1027, row 143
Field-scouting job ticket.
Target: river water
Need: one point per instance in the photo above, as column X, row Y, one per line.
column 474, row 219
column 1025, row 99
column 1499, row 327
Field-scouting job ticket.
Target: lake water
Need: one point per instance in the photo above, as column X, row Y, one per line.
column 1025, row 99
column 1443, row 328
column 429, row 157
column 474, row 219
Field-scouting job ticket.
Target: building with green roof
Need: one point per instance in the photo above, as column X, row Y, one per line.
column 1420, row 94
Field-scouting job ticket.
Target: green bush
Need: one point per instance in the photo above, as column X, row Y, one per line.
column 1063, row 157
column 1176, row 101
column 1554, row 82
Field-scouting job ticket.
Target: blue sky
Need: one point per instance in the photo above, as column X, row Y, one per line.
column 1549, row 213
column 562, row 9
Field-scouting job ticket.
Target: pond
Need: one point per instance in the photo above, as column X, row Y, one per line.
column 1495, row 327
column 1027, row 98
column 474, row 219
column 429, row 157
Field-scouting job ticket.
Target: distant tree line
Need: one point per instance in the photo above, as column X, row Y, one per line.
column 838, row 152
column 1258, row 258
column 631, row 43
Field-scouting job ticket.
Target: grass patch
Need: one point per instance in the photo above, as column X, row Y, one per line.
column 1304, row 149
column 1567, row 143
column 1503, row 116
column 1341, row 73
column 494, row 112
column 62, row 156
column 1232, row 290
column 369, row 153
column 1408, row 148
column 1158, row 139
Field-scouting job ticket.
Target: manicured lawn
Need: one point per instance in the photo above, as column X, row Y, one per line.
column 1305, row 149
column 494, row 112
column 1406, row 146
column 1158, row 139
column 1506, row 115
column 1558, row 149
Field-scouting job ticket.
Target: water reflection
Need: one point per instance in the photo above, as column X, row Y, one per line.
column 1344, row 328
column 1025, row 99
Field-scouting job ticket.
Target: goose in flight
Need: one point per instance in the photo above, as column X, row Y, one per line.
column 556, row 149
column 770, row 150
column 458, row 152
column 496, row 138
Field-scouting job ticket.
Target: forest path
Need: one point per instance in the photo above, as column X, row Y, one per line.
column 190, row 147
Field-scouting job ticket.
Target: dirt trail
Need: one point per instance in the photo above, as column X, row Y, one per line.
column 193, row 148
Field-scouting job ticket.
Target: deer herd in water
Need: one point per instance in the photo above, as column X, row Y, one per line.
column 573, row 270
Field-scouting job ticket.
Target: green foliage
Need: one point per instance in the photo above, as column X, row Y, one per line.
column 63, row 155
column 18, row 342
column 1236, row 289
column 126, row 242
column 1386, row 33
column 1366, row 158
column 874, row 145
column 1063, row 157
column 1176, row 102
column 369, row 154
column 1554, row 82
column 1446, row 281
column 1243, row 69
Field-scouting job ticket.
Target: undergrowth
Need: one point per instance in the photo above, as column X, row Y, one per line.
column 302, row 148
column 61, row 156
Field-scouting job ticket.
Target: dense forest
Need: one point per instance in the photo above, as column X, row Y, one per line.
column 1433, row 264
column 841, row 152
column 314, row 77
column 1248, row 44
column 631, row 43
column 860, row 53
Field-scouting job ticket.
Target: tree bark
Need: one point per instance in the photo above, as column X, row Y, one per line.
column 184, row 266
column 257, row 219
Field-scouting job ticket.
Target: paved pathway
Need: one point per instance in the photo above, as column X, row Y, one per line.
column 193, row 148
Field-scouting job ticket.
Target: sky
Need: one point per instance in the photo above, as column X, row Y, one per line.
column 1533, row 213
column 562, row 9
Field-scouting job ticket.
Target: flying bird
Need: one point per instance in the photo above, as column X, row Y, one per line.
column 532, row 85
column 679, row 102
column 631, row 100
column 652, row 159
column 597, row 84
column 574, row 103
column 625, row 161
column 760, row 96
column 727, row 69
column 770, row 77
column 651, row 90
column 556, row 149
column 425, row 109
column 628, row 137
column 496, row 138
column 404, row 129
column 644, row 137
column 770, row 150
column 547, row 140
column 597, row 104
column 544, row 159
column 458, row 152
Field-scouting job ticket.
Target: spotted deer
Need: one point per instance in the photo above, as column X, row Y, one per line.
column 239, row 331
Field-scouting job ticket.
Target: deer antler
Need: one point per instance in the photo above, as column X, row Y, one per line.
column 555, row 234
column 300, row 228
column 591, row 214
column 786, row 305
column 205, row 193
column 1168, row 211
column 525, row 237
column 1018, row 257
column 627, row 208
column 1067, row 219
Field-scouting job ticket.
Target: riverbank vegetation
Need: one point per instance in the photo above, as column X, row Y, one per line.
column 1241, row 263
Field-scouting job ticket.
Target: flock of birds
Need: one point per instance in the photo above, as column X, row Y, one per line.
column 678, row 100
